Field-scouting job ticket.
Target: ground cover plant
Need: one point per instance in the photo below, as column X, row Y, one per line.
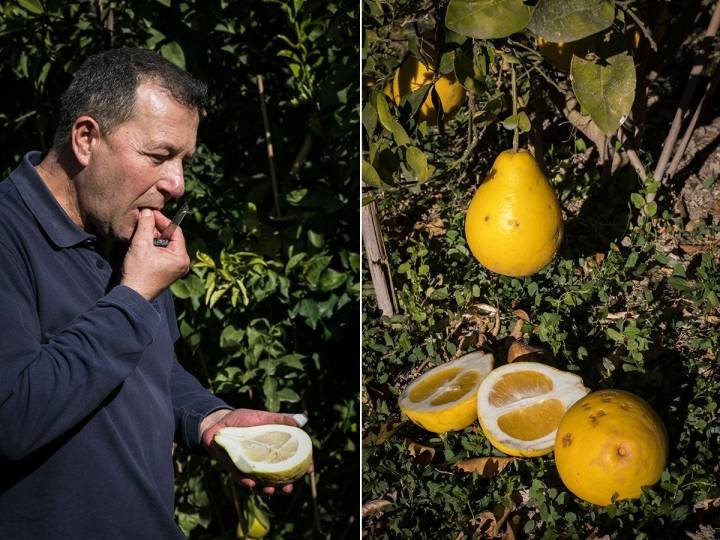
column 269, row 311
column 629, row 302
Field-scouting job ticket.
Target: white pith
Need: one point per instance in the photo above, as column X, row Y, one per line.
column 478, row 362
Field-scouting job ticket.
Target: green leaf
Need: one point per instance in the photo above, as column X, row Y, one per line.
column 651, row 209
column 614, row 334
column 33, row 6
column 370, row 175
column 561, row 21
column 679, row 284
column 487, row 19
column 637, row 200
column 173, row 52
column 417, row 160
column 369, row 118
column 287, row 394
column 189, row 287
column 521, row 120
column 606, row 91
column 331, row 279
column 389, row 123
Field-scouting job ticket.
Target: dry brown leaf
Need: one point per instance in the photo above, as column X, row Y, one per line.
column 707, row 504
column 382, row 432
column 423, row 454
column 486, row 467
column 435, row 227
column 599, row 258
column 518, row 349
column 512, row 528
column 496, row 327
column 692, row 249
column 521, row 317
column 372, row 507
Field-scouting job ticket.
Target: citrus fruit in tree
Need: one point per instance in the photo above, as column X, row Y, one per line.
column 610, row 443
column 514, row 225
column 443, row 399
column 273, row 453
column 413, row 74
column 520, row 405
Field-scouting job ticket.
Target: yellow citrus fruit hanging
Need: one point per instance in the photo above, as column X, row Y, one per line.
column 610, row 443
column 443, row 399
column 257, row 529
column 514, row 224
column 413, row 74
column 520, row 405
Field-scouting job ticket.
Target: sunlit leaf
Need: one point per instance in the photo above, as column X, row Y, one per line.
column 561, row 21
column 487, row 19
column 605, row 90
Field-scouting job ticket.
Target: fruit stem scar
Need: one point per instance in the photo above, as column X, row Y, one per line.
column 621, row 451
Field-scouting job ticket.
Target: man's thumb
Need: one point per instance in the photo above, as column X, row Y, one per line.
column 145, row 224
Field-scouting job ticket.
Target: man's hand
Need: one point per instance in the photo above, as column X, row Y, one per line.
column 149, row 269
column 240, row 418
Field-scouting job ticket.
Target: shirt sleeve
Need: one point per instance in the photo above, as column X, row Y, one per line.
column 49, row 386
column 192, row 402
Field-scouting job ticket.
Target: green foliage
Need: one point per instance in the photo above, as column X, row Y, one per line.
column 268, row 314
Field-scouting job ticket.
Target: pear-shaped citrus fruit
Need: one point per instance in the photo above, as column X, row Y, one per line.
column 520, row 405
column 413, row 74
column 514, row 225
column 273, row 453
column 257, row 529
column 610, row 443
column 443, row 399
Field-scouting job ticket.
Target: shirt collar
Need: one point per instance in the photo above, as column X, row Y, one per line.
column 42, row 203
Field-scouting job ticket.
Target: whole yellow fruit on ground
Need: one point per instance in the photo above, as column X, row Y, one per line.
column 514, row 224
column 611, row 442
column 413, row 74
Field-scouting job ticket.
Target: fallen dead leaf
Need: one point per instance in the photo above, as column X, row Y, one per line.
column 512, row 528
column 371, row 507
column 486, row 467
column 707, row 504
column 521, row 317
column 434, row 227
column 382, row 432
column 704, row 532
column 518, row 349
column 692, row 249
column 423, row 454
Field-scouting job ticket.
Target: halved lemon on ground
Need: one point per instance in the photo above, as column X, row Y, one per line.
column 272, row 453
column 520, row 405
column 443, row 399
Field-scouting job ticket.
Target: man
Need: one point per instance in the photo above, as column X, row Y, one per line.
column 91, row 397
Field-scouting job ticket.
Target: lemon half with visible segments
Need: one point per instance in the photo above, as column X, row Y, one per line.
column 272, row 453
column 443, row 399
column 520, row 405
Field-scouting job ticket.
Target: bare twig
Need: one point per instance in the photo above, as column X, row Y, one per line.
column 672, row 135
column 699, row 110
column 316, row 512
column 302, row 154
column 268, row 141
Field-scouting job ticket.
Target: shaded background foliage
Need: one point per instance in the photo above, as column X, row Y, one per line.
column 270, row 308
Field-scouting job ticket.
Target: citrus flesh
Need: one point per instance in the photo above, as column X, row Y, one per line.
column 413, row 74
column 610, row 443
column 514, row 224
column 273, row 453
column 443, row 399
column 520, row 406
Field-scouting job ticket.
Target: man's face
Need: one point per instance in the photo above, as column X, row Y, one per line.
column 139, row 165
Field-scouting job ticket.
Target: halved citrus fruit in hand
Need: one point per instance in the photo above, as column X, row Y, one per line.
column 443, row 399
column 272, row 453
column 520, row 405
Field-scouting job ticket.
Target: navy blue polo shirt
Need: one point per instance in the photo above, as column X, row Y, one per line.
column 91, row 396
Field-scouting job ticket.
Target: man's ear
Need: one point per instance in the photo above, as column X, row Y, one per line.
column 84, row 137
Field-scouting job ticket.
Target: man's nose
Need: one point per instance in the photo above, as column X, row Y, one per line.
column 173, row 183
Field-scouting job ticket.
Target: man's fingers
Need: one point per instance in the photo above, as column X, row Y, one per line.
column 145, row 225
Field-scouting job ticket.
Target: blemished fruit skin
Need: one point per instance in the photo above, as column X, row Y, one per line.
column 609, row 443
column 514, row 223
column 413, row 74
